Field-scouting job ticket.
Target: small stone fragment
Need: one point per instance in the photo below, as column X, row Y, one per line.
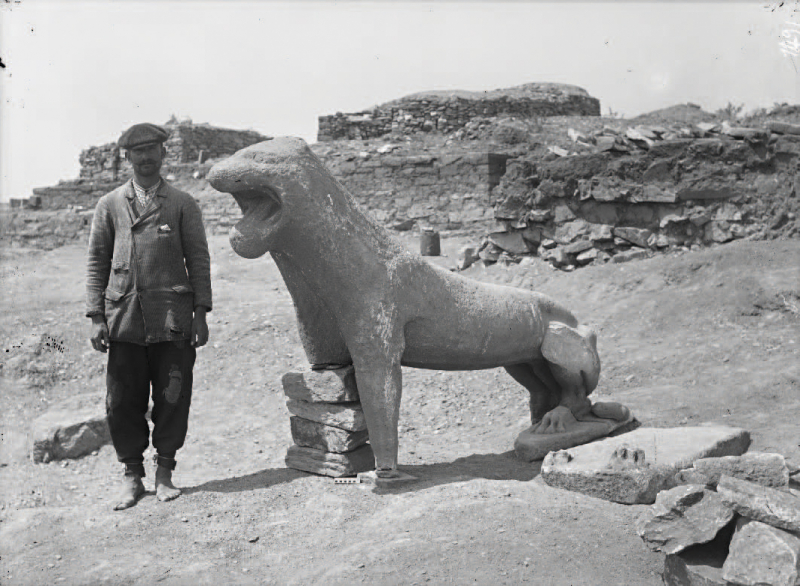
column 762, row 468
column 762, row 503
column 681, row 517
column 699, row 565
column 327, row 386
column 762, row 555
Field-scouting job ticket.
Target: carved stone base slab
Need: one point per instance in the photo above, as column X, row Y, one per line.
column 310, row 434
column 632, row 468
column 531, row 446
column 333, row 465
column 373, row 479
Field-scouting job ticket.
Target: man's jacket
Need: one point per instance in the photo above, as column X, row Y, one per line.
column 148, row 273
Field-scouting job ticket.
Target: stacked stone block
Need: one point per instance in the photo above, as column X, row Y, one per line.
column 327, row 422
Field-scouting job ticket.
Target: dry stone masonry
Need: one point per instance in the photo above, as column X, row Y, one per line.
column 450, row 111
column 327, row 423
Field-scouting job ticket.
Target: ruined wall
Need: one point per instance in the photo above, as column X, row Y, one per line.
column 614, row 205
column 447, row 191
column 188, row 144
column 447, row 112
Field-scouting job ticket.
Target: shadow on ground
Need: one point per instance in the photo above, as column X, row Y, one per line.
column 504, row 466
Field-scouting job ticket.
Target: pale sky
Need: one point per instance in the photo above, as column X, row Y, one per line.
column 78, row 73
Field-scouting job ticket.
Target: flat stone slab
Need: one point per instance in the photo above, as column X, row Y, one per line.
column 310, row 434
column 327, row 464
column 634, row 467
column 373, row 479
column 700, row 565
column 71, row 429
column 760, row 554
column 759, row 467
column 681, row 517
column 775, row 507
column 531, row 446
column 347, row 416
column 326, row 386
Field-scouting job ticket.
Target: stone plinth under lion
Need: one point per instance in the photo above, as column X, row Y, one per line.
column 362, row 299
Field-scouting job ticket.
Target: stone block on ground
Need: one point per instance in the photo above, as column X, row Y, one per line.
column 531, row 447
column 629, row 255
column 699, row 565
column 310, row 434
column 762, row 555
column 633, row 467
column 71, row 429
column 681, row 517
column 759, row 467
column 637, row 236
column 347, row 416
column 512, row 242
column 774, row 507
column 327, row 464
column 322, row 386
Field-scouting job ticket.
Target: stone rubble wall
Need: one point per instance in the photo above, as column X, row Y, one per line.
column 449, row 191
column 575, row 210
column 448, row 113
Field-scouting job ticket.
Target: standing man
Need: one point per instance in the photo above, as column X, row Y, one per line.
column 148, row 291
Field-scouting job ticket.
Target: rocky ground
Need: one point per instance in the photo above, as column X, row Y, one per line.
column 685, row 338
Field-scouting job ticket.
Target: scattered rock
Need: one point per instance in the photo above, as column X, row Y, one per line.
column 699, row 565
column 327, row 464
column 762, row 468
column 347, row 416
column 681, row 517
column 628, row 255
column 311, row 434
column 71, row 429
column 594, row 471
column 762, row 503
column 512, row 242
column 762, row 555
column 325, row 386
column 637, row 236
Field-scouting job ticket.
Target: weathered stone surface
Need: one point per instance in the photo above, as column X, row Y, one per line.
column 326, row 464
column 311, row 434
column 762, row 503
column 628, row 255
column 783, row 127
column 637, row 236
column 700, row 565
column 321, row 386
column 531, row 446
column 71, row 429
column 681, row 517
column 761, row 468
column 347, row 416
column 610, row 469
column 762, row 555
column 578, row 246
column 512, row 242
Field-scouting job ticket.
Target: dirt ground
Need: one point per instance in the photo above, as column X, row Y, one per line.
column 689, row 338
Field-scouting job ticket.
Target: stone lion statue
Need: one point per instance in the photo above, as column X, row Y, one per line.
column 361, row 298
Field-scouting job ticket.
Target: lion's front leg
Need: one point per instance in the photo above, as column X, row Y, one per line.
column 376, row 358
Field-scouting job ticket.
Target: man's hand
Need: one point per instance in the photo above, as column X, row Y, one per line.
column 199, row 328
column 99, row 337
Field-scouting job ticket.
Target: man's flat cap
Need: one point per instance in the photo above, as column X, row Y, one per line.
column 141, row 134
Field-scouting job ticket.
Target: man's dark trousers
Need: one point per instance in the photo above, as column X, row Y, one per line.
column 132, row 369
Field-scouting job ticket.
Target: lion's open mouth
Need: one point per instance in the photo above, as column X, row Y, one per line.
column 259, row 206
